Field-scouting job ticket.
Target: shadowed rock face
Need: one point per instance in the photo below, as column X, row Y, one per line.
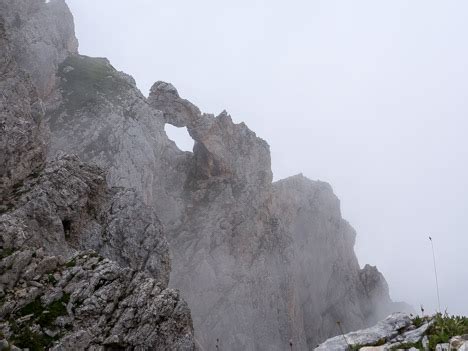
column 262, row 265
column 54, row 292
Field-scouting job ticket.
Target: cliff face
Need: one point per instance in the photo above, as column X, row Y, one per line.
column 42, row 36
column 262, row 265
column 54, row 292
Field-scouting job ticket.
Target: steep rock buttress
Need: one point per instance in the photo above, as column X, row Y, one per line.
column 55, row 292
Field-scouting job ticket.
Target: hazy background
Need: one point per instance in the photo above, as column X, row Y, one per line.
column 371, row 96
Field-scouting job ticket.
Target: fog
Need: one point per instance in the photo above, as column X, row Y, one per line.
column 370, row 96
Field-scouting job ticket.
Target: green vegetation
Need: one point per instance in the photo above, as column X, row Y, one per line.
column 408, row 346
column 6, row 252
column 51, row 279
column 42, row 315
column 445, row 327
column 89, row 78
column 24, row 337
column 55, row 309
column 71, row 263
column 45, row 315
column 35, row 308
column 419, row 321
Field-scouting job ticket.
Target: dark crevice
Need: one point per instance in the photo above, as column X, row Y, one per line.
column 67, row 227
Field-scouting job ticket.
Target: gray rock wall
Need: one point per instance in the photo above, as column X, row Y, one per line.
column 42, row 36
column 53, row 292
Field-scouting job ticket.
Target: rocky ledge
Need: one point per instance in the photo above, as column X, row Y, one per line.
column 400, row 331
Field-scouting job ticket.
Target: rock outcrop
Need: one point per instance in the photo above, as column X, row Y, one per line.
column 54, row 292
column 42, row 36
column 87, row 303
column 67, row 206
column 397, row 329
column 405, row 332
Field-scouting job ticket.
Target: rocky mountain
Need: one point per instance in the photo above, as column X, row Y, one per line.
column 54, row 292
column 262, row 265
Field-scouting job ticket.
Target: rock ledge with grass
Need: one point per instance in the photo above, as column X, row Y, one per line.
column 400, row 331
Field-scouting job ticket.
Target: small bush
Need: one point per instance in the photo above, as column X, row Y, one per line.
column 445, row 327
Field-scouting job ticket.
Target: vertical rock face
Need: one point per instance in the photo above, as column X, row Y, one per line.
column 42, row 35
column 278, row 257
column 262, row 265
column 54, row 293
column 100, row 115
column 21, row 114
column 330, row 285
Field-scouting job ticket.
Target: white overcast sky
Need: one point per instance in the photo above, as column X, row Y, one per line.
column 370, row 96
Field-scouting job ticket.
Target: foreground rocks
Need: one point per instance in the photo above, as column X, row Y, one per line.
column 401, row 332
column 87, row 303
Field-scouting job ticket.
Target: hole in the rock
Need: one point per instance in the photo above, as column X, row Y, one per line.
column 66, row 227
column 114, row 347
column 180, row 136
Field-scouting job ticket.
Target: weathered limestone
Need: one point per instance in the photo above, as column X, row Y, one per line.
column 42, row 36
column 51, row 212
column 88, row 303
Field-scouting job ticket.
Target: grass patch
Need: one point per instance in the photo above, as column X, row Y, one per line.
column 51, row 279
column 89, row 78
column 24, row 337
column 71, row 263
column 419, row 321
column 6, row 252
column 407, row 346
column 445, row 327
column 35, row 308
column 45, row 315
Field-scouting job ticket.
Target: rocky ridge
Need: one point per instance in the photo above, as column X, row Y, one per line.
column 54, row 292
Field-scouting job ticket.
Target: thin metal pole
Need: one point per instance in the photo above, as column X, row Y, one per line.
column 344, row 337
column 435, row 272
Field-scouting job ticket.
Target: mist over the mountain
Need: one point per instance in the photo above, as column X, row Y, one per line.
column 133, row 218
column 367, row 96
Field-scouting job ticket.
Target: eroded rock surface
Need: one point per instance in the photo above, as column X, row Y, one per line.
column 67, row 206
column 53, row 292
column 42, row 36
column 102, row 117
column 21, row 120
column 87, row 303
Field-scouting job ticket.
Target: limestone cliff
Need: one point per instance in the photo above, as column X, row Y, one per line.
column 54, row 292
column 262, row 265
